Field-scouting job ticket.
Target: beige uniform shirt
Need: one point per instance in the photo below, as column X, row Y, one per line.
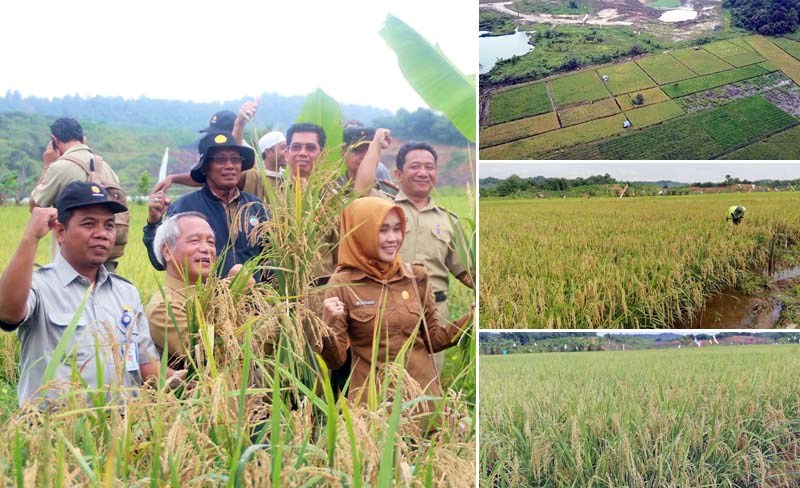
column 162, row 329
column 254, row 183
column 62, row 172
column 431, row 234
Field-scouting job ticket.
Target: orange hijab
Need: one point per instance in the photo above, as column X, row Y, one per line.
column 361, row 224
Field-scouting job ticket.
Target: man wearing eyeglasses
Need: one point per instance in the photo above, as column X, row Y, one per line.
column 219, row 169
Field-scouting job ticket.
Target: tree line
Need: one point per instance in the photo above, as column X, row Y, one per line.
column 767, row 17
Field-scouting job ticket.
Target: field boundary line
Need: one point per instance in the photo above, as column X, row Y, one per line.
column 696, row 74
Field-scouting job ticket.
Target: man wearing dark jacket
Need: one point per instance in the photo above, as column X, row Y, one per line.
column 232, row 214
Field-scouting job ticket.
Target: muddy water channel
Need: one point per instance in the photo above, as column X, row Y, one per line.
column 732, row 309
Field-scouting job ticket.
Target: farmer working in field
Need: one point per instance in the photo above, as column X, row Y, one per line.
column 67, row 158
column 42, row 304
column 735, row 213
column 432, row 231
column 186, row 246
column 232, row 214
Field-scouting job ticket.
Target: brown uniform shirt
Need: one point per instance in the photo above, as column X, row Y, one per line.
column 431, row 234
column 395, row 308
column 62, row 172
column 162, row 329
column 254, row 183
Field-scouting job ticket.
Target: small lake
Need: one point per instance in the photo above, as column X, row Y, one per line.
column 502, row 47
column 678, row 15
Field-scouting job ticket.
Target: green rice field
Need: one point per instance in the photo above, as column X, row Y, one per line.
column 715, row 416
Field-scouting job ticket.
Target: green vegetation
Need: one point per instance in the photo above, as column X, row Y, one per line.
column 590, row 111
column 654, row 114
column 579, row 87
column 782, row 145
column 665, row 4
column 561, row 7
column 625, row 78
column 649, row 97
column 767, row 17
column 664, row 68
column 520, row 102
column 790, row 46
column 617, row 263
column 497, row 23
column 701, row 83
column 700, row 61
column 518, row 129
column 777, row 56
column 744, row 121
column 721, row 416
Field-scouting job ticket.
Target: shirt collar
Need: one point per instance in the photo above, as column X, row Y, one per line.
column 67, row 274
column 76, row 147
column 400, row 197
column 236, row 194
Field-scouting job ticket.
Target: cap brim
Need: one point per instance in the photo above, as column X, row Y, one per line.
column 114, row 206
column 248, row 161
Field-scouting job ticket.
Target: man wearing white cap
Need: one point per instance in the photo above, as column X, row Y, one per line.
column 273, row 148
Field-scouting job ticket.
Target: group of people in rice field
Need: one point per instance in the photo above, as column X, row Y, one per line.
column 385, row 275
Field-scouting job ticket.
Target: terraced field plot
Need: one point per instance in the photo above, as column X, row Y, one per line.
column 585, row 106
column 790, row 46
column 518, row 129
column 665, row 69
column 582, row 113
column 700, row 61
column 520, row 102
column 625, row 78
column 580, row 87
column 783, row 145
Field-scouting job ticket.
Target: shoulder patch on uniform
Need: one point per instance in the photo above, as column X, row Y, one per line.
column 453, row 214
column 387, row 187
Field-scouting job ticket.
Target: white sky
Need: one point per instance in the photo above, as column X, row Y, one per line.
column 212, row 51
column 685, row 172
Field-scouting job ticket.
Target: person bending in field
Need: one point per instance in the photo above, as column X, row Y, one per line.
column 41, row 305
column 186, row 246
column 735, row 213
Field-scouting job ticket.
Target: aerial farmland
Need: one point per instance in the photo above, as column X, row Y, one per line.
column 637, row 87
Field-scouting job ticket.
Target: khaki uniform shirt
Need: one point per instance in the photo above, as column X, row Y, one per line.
column 431, row 234
column 62, row 172
column 163, row 330
column 56, row 293
column 254, row 183
column 395, row 309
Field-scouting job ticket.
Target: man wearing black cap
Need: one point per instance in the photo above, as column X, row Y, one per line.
column 221, row 163
column 366, row 143
column 221, row 121
column 40, row 305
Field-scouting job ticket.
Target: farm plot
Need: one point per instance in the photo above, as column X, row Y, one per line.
column 744, row 121
column 714, row 80
column 679, row 139
column 590, row 111
column 783, row 145
column 613, row 263
column 790, row 46
column 654, row 114
column 721, row 416
column 518, row 129
column 625, row 78
column 649, row 97
column 536, row 146
column 521, row 102
column 736, row 53
column 700, row 61
column 579, row 87
column 665, row 69
column 777, row 56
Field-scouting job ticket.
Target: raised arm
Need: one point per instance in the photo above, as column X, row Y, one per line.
column 15, row 284
column 365, row 176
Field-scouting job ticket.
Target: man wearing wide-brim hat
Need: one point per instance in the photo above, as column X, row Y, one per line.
column 110, row 343
column 219, row 169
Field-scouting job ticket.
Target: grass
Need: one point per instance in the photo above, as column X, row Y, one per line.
column 542, row 144
column 655, row 113
column 700, row 61
column 651, row 96
column 714, row 80
column 590, row 111
column 721, row 416
column 782, row 145
column 518, row 129
column 614, row 263
column 665, row 69
column 579, row 87
column 625, row 78
column 519, row 103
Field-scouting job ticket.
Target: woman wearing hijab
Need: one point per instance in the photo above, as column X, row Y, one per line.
column 373, row 289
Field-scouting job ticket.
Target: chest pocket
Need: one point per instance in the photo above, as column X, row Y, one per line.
column 82, row 341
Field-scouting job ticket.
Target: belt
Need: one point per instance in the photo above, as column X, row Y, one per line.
column 440, row 296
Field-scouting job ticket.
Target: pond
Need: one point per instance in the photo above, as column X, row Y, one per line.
column 678, row 15
column 501, row 47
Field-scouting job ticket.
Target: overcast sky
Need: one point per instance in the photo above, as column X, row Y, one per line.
column 688, row 172
column 211, row 51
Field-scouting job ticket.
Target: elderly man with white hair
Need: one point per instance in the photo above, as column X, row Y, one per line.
column 185, row 245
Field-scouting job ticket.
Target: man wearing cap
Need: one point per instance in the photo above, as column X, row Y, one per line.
column 432, row 231
column 273, row 152
column 735, row 213
column 219, row 170
column 357, row 142
column 65, row 158
column 40, row 304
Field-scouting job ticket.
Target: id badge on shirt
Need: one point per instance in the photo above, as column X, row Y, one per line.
column 131, row 354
